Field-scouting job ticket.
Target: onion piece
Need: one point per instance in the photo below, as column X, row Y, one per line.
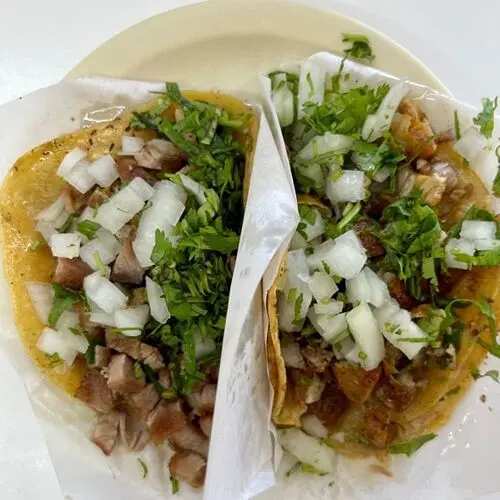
column 478, row 229
column 460, row 246
column 470, row 144
column 103, row 249
column 343, row 347
column 194, row 187
column 131, row 321
column 169, row 188
column 330, row 308
column 294, row 302
column 345, row 185
column 322, row 286
column 379, row 122
column 142, row 188
column 131, row 145
column 486, row 244
column 103, row 170
column 103, row 293
column 65, row 245
column 70, row 160
column 332, row 326
column 313, row 172
column 283, row 100
column 53, row 342
column 308, row 450
column 382, row 175
column 323, row 147
column 52, row 212
column 365, row 330
column 42, row 296
column 102, row 318
column 358, row 289
column 68, row 319
column 46, row 229
column 312, row 82
column 485, row 164
column 79, row 177
column 379, row 293
column 292, row 356
column 203, row 347
column 313, row 426
column 157, row 302
column 312, row 231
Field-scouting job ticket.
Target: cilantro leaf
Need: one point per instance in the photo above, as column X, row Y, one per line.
column 63, row 299
column 175, row 485
column 88, row 228
column 482, row 258
column 308, row 213
column 485, row 119
column 360, row 47
column 144, row 468
column 474, row 213
column 493, row 374
column 410, row 447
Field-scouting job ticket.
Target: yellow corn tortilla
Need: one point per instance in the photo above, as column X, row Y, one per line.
column 32, row 185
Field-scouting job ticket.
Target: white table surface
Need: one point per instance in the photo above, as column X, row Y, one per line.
column 41, row 40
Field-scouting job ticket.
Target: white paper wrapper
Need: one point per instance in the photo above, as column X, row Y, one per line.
column 241, row 446
column 461, row 462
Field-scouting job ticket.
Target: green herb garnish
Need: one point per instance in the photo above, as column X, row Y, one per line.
column 410, row 447
column 360, row 47
column 88, row 228
column 144, row 468
column 485, row 119
column 493, row 374
column 63, row 299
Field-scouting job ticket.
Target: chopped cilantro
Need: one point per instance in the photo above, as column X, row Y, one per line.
column 456, row 122
column 67, row 224
column 410, row 447
column 482, row 258
column 138, row 370
column 298, row 309
column 360, row 47
column 362, row 355
column 493, row 374
column 175, row 485
column 292, row 294
column 88, row 228
column 308, row 213
column 98, row 262
column 485, row 119
column 63, row 299
column 144, row 468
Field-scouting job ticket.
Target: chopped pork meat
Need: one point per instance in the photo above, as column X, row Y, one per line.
column 397, row 392
column 133, row 436
column 70, row 273
column 122, row 377
column 356, row 383
column 74, row 200
column 331, row 406
column 97, row 198
column 94, row 392
column 164, row 378
column 126, row 268
column 128, row 170
column 102, row 357
column 188, row 466
column 189, row 437
column 206, row 424
column 151, row 356
column 208, row 397
column 159, row 154
column 105, row 432
column 140, row 404
column 166, row 419
column 317, row 359
column 121, row 343
column 378, row 429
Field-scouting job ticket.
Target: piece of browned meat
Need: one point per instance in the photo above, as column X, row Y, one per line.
column 102, row 357
column 308, row 388
column 140, row 404
column 105, row 432
column 74, row 200
column 331, row 406
column 370, row 243
column 206, row 424
column 151, row 356
column 208, row 398
column 356, row 383
column 133, row 436
column 94, row 392
column 166, row 419
column 70, row 273
column 97, row 198
column 164, row 378
column 189, row 467
column 122, row 377
column 398, row 291
column 317, row 359
column 126, row 268
column 378, row 428
column 121, row 343
column 128, row 170
column 160, row 154
column 189, row 438
column 397, row 392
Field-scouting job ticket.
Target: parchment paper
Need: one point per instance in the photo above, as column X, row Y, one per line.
column 461, row 463
column 242, row 452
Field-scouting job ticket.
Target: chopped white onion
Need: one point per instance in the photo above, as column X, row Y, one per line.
column 365, row 330
column 46, row 229
column 322, row 286
column 53, row 212
column 169, row 188
column 470, row 144
column 460, row 246
column 79, row 177
column 358, row 289
column 194, row 187
column 486, row 244
column 378, row 123
column 330, row 308
column 331, row 326
column 292, row 356
column 102, row 318
column 131, row 145
column 68, row 319
column 312, row 82
column 478, row 230
column 70, row 160
column 297, row 242
column 314, row 230
column 203, row 347
column 325, row 147
column 65, row 245
column 156, row 301
column 311, row 171
column 103, row 249
column 296, row 286
column 142, row 188
column 131, row 321
column 367, row 286
column 486, row 165
column 344, row 347
column 77, row 341
column 42, row 296
column 349, row 186
column 308, row 450
column 351, row 238
column 314, row 427
column 283, row 101
column 382, row 175
column 103, row 170
column 103, row 293
column 53, row 342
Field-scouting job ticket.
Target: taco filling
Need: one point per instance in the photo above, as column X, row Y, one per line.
column 124, row 237
column 387, row 299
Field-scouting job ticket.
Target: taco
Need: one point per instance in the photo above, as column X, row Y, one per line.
column 119, row 243
column 388, row 297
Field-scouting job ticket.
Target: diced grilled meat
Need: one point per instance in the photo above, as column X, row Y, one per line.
column 398, row 291
column 433, row 187
column 377, row 204
column 378, row 428
column 397, row 392
column 330, row 407
column 165, row 420
column 317, row 359
column 356, row 383
column 126, row 268
column 97, row 198
column 164, row 378
column 142, row 441
column 70, row 273
column 74, row 200
column 206, row 424
column 370, row 243
column 151, row 356
column 193, row 399
column 189, row 438
column 160, row 154
column 132, row 435
column 102, row 357
column 128, row 170
column 208, row 397
column 105, row 432
column 140, row 404
column 308, row 388
column 122, row 377
column 94, row 392
column 189, row 467
column 121, row 343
